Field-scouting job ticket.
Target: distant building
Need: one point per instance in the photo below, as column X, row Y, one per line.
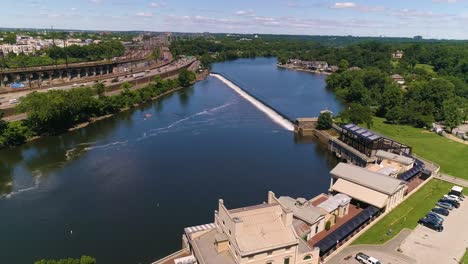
column 398, row 79
column 398, row 54
column 418, row 37
column 354, row 68
column 257, row 234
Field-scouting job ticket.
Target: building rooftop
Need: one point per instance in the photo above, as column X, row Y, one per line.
column 361, row 132
column 206, row 251
column 333, row 202
column 262, row 228
column 301, row 209
column 395, row 157
column 375, row 181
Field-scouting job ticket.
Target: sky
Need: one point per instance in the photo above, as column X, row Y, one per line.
column 446, row 19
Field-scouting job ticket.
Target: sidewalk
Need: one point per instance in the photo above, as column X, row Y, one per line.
column 452, row 179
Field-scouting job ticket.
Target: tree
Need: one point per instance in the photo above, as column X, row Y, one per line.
column 100, row 89
column 82, row 260
column 357, row 114
column 186, row 77
column 343, row 65
column 454, row 112
column 325, row 121
column 327, row 225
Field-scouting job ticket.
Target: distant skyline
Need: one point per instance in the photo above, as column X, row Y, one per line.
column 429, row 18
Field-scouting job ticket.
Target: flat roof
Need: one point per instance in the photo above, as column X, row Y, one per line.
column 307, row 212
column 262, row 229
column 395, row 157
column 361, row 176
column 361, row 193
column 361, row 132
column 332, row 203
column 205, row 250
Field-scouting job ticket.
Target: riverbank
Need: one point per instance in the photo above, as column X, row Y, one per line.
column 295, row 68
column 136, row 92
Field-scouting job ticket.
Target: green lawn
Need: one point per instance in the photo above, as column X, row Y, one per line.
column 464, row 260
column 407, row 214
column 450, row 155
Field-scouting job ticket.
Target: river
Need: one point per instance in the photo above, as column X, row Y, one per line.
column 123, row 189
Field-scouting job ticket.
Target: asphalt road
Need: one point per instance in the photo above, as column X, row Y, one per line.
column 5, row 99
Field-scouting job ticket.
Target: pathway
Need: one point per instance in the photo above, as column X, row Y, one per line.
column 386, row 252
column 452, row 179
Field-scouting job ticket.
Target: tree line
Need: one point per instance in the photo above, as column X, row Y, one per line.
column 436, row 73
column 57, row 111
column 70, row 54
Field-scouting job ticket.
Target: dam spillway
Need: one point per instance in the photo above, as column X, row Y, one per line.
column 273, row 114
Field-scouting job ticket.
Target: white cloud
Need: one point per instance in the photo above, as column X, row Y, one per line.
column 158, row 4
column 144, row 14
column 248, row 12
column 344, row 5
column 446, row 1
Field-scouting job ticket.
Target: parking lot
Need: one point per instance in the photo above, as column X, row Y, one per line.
column 448, row 246
column 384, row 257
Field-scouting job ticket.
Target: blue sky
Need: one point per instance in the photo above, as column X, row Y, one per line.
column 429, row 18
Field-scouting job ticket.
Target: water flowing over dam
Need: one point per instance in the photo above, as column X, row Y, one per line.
column 273, row 114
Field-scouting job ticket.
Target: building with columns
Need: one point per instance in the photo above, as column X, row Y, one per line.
column 376, row 189
column 259, row 234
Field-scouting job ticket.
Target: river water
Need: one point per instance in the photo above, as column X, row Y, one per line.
column 123, row 189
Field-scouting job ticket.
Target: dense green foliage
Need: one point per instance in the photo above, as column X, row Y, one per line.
column 82, row 260
column 58, row 110
column 73, row 53
column 325, row 121
column 186, row 77
column 436, row 72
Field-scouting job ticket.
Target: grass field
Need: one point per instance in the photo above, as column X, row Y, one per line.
column 407, row 214
column 450, row 155
column 464, row 260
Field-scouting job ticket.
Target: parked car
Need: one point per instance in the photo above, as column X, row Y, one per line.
column 441, row 211
column 452, row 197
column 452, row 202
column 445, row 205
column 427, row 222
column 13, row 101
column 458, row 191
column 436, row 217
column 365, row 259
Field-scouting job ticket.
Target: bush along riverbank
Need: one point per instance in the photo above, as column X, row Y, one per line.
column 58, row 111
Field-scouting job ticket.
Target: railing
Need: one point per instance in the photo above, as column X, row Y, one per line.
column 173, row 255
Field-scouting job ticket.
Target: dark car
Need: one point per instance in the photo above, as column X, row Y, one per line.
column 435, row 217
column 445, row 205
column 452, row 202
column 427, row 222
column 441, row 211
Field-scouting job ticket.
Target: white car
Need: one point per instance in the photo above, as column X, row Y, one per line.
column 365, row 259
column 452, row 197
column 13, row 101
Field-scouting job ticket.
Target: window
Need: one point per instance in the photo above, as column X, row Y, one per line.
column 286, row 260
column 269, row 253
column 307, row 257
column 224, row 223
column 229, row 232
column 269, row 262
column 316, row 229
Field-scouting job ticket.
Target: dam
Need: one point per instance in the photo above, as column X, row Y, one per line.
column 273, row 114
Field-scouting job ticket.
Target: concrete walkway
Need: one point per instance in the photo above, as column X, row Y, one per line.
column 385, row 252
column 452, row 179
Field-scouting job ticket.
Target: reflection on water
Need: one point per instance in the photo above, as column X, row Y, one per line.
column 132, row 182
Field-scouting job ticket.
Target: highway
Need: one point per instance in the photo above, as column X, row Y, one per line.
column 10, row 100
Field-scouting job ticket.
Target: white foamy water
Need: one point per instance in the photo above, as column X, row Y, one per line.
column 272, row 114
